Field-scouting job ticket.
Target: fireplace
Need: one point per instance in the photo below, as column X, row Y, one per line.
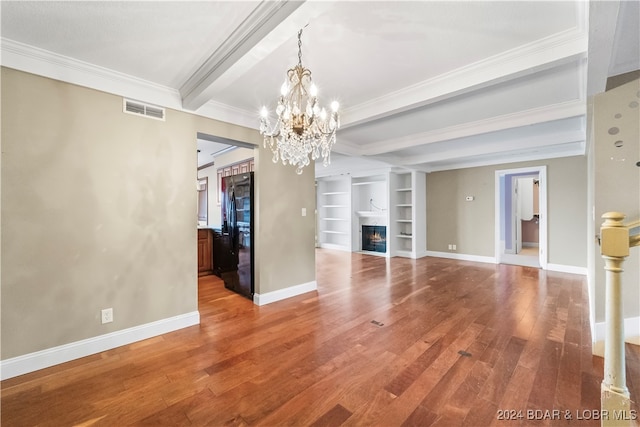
column 374, row 238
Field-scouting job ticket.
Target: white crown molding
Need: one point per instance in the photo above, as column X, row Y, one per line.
column 496, row 146
column 545, row 53
column 41, row 62
column 229, row 114
column 260, row 22
column 506, row 121
column 20, row 365
column 38, row 61
column 571, row 150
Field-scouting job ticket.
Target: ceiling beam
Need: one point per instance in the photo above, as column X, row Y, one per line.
column 603, row 19
column 530, row 117
column 540, row 55
column 262, row 20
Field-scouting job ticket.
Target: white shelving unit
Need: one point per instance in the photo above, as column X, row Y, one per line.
column 408, row 218
column 334, row 213
column 395, row 200
column 370, row 201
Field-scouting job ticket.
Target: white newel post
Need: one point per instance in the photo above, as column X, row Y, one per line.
column 614, row 247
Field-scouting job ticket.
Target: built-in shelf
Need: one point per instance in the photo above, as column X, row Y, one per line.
column 408, row 220
column 371, row 214
column 334, row 212
column 367, row 183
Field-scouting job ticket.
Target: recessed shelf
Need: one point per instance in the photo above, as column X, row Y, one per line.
column 367, row 182
column 404, row 205
column 404, row 220
column 334, row 206
column 334, row 193
column 403, row 236
column 403, row 189
column 371, row 214
column 333, row 232
column 335, row 219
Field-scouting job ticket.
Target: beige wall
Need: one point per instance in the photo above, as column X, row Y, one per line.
column 211, row 172
column 285, row 240
column 617, row 184
column 98, row 210
column 470, row 225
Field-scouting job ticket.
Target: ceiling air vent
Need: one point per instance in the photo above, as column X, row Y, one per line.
column 141, row 109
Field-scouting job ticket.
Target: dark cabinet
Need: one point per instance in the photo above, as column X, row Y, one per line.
column 205, row 255
column 224, row 259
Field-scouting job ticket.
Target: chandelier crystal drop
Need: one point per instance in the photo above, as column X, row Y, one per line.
column 303, row 128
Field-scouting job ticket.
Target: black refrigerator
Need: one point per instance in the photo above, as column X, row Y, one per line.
column 235, row 245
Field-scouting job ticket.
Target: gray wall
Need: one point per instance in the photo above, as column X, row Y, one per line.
column 617, row 184
column 98, row 210
column 285, row 240
column 470, row 225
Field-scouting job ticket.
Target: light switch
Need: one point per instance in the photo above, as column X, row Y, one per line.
column 304, row 211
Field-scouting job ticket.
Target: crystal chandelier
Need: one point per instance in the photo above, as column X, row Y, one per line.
column 303, row 127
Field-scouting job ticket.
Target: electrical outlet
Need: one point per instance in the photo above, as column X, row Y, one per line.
column 453, row 247
column 450, row 247
column 107, row 315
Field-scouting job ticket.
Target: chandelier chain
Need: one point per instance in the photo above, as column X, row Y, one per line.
column 300, row 48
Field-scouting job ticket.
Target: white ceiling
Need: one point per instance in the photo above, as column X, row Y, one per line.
column 422, row 84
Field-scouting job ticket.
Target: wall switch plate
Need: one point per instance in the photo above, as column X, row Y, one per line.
column 450, row 247
column 304, row 211
column 107, row 315
column 454, row 247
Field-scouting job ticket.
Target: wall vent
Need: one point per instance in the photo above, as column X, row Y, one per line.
column 142, row 109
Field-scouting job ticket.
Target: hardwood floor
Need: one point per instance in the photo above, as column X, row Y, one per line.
column 383, row 342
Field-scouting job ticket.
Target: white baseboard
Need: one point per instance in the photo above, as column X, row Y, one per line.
column 335, row 247
column 280, row 294
column 463, row 257
column 567, row 269
column 530, row 244
column 631, row 334
column 20, row 365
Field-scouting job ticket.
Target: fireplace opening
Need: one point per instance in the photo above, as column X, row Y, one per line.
column 374, row 238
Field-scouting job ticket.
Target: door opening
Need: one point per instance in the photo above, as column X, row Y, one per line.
column 521, row 217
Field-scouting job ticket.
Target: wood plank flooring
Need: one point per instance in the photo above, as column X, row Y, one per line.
column 399, row 342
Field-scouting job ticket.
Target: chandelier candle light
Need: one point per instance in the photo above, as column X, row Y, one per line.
column 303, row 127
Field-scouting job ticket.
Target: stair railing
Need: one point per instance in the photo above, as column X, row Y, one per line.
column 615, row 241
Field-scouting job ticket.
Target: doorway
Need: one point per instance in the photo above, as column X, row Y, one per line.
column 521, row 217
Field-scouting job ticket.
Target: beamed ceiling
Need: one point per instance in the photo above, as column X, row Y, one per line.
column 426, row 85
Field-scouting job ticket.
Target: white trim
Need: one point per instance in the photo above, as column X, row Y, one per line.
column 547, row 113
column 548, row 52
column 542, row 210
column 567, row 269
column 30, row 59
column 631, row 334
column 20, row 365
column 462, row 257
column 280, row 294
column 334, row 247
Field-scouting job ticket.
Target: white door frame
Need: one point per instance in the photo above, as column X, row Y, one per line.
column 542, row 178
